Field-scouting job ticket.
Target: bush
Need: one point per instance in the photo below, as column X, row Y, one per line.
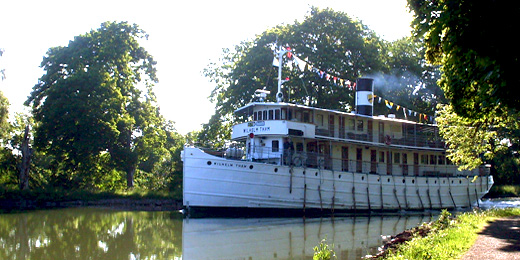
column 323, row 251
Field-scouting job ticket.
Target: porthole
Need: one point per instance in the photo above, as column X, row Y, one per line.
column 426, row 182
column 362, row 178
column 209, row 162
column 404, row 180
column 413, row 181
column 435, row 182
column 303, row 172
column 443, row 181
column 316, row 174
column 451, row 181
column 275, row 169
column 339, row 176
column 377, row 179
column 251, row 167
column 460, row 181
column 388, row 180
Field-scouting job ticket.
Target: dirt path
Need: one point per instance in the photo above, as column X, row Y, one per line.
column 499, row 240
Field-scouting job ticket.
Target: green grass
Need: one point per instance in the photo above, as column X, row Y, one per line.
column 454, row 240
column 502, row 191
column 57, row 194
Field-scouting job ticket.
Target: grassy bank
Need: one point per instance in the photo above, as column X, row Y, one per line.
column 446, row 238
column 67, row 195
column 13, row 198
column 502, row 191
column 449, row 238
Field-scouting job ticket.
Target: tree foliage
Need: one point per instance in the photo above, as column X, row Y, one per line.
column 329, row 40
column 94, row 107
column 479, row 67
column 468, row 39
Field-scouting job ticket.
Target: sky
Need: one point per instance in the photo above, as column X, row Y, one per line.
column 185, row 36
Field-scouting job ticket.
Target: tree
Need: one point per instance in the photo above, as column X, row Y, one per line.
column 479, row 67
column 467, row 38
column 95, row 98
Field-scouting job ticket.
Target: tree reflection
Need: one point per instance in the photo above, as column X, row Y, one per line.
column 86, row 233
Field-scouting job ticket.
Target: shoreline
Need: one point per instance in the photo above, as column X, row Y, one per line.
column 131, row 204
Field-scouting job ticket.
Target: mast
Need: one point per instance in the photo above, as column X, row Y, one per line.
column 279, row 52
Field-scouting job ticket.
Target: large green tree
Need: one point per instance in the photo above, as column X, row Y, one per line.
column 479, row 76
column 95, row 99
column 479, row 63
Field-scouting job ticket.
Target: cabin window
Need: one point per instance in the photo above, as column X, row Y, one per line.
column 351, row 124
column 382, row 157
column 299, row 147
column 360, row 125
column 448, row 161
column 424, row 159
column 255, row 116
column 276, row 146
column 277, row 114
column 284, row 113
column 441, row 160
column 306, row 117
column 299, row 115
column 271, row 114
column 264, row 114
column 432, row 159
column 397, row 158
column 320, row 120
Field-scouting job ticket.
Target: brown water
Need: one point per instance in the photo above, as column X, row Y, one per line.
column 92, row 233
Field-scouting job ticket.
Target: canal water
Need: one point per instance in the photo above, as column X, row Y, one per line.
column 95, row 233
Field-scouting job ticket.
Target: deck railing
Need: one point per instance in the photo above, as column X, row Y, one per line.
column 419, row 139
column 321, row 161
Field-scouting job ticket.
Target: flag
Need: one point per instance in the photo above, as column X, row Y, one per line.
column 389, row 104
column 300, row 63
column 276, row 63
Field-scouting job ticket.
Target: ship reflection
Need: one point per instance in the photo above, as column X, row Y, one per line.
column 289, row 238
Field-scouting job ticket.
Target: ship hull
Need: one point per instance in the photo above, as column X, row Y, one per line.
column 212, row 182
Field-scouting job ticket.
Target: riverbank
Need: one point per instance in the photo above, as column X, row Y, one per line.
column 15, row 200
column 448, row 237
column 503, row 191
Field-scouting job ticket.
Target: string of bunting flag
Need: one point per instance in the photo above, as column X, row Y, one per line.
column 337, row 81
column 406, row 111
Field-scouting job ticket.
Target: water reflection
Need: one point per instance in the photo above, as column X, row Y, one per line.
column 86, row 233
column 90, row 233
column 353, row 237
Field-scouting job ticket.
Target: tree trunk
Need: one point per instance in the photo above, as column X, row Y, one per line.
column 130, row 177
column 26, row 161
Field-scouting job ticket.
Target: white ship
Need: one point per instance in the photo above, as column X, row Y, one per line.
column 295, row 157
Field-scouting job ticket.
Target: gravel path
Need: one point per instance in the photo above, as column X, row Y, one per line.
column 498, row 240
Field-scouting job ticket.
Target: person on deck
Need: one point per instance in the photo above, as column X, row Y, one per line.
column 288, row 151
